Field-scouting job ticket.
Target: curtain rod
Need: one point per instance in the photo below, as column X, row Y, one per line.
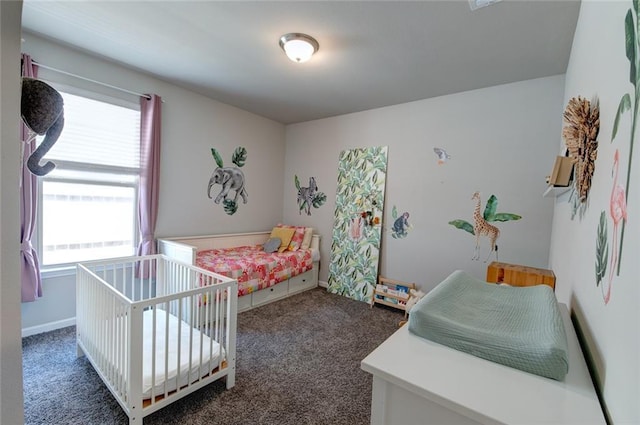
column 50, row 68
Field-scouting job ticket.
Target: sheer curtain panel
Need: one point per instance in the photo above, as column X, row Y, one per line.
column 150, row 129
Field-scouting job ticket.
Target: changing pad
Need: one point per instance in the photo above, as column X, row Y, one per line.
column 520, row 327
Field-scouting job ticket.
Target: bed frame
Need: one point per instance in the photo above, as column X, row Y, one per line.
column 185, row 249
column 121, row 302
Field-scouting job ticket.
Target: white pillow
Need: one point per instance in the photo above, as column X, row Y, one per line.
column 306, row 242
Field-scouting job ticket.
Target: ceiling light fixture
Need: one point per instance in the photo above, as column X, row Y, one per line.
column 478, row 4
column 299, row 47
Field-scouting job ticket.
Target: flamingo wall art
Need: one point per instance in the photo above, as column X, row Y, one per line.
column 618, row 214
column 620, row 184
column 628, row 102
column 617, row 210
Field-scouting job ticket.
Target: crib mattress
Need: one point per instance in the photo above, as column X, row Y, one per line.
column 190, row 365
column 520, row 327
column 253, row 268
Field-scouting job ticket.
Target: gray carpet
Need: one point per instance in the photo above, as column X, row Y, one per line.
column 298, row 363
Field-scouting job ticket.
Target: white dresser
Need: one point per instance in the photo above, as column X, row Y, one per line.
column 417, row 381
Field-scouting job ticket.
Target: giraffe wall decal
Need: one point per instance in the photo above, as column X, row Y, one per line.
column 482, row 228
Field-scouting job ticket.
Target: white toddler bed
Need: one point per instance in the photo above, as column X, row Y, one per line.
column 155, row 329
column 189, row 248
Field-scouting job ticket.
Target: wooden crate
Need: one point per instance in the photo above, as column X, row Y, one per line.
column 517, row 275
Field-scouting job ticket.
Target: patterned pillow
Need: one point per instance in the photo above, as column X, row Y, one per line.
column 296, row 239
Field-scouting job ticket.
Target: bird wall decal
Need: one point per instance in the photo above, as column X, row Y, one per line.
column 442, row 155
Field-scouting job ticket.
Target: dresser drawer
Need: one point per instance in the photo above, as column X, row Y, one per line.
column 303, row 281
column 269, row 294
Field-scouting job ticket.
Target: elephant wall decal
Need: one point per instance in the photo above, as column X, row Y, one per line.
column 231, row 178
column 42, row 111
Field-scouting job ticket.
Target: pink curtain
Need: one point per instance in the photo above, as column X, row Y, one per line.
column 150, row 109
column 31, row 281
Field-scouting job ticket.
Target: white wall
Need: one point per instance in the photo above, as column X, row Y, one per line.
column 191, row 125
column 503, row 141
column 599, row 67
column 11, row 411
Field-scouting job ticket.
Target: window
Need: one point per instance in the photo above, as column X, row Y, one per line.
column 88, row 203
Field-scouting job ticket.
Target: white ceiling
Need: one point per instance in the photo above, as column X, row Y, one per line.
column 372, row 53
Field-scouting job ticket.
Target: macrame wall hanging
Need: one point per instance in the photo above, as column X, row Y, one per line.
column 582, row 119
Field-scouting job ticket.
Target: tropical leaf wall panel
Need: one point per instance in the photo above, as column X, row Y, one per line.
column 355, row 245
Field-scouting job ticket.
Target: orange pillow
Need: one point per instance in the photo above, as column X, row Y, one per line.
column 285, row 236
column 298, row 236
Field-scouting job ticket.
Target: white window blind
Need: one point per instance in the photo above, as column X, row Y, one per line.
column 98, row 133
column 89, row 201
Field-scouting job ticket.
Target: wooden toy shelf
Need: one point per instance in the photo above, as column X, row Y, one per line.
column 392, row 293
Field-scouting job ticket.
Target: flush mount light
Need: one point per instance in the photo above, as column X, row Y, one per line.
column 478, row 4
column 299, row 47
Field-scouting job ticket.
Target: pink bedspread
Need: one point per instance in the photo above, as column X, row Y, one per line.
column 253, row 268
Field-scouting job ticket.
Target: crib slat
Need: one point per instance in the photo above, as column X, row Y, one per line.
column 166, row 350
column 179, row 344
column 191, row 320
column 153, row 354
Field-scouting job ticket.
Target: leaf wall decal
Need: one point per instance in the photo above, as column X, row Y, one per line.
column 230, row 207
column 602, row 249
column 239, row 156
column 318, row 199
column 490, row 208
column 462, row 224
column 217, row 157
column 506, row 217
column 625, row 105
column 630, row 45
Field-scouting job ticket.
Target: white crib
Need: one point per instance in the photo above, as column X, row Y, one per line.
column 155, row 329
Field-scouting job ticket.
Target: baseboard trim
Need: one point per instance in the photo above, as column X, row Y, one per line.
column 47, row 327
column 323, row 284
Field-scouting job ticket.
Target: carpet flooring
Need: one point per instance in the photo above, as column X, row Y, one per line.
column 298, row 362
